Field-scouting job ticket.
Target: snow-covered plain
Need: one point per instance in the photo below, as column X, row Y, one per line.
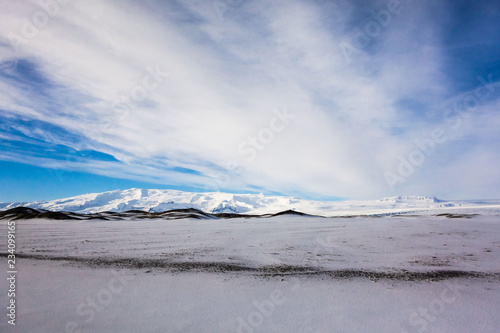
column 280, row 274
column 160, row 200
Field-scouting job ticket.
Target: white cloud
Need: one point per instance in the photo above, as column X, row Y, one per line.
column 225, row 78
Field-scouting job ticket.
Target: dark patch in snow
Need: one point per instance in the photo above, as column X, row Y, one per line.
column 264, row 271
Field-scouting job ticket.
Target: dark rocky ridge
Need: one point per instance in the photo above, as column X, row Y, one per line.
column 24, row 213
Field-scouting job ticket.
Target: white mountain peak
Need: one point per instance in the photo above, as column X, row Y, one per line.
column 153, row 200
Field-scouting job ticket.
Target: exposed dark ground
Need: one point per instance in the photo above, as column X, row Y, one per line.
column 264, row 271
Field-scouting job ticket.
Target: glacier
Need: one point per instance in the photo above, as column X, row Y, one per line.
column 155, row 200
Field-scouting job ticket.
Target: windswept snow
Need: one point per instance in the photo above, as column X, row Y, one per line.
column 400, row 274
column 160, row 200
column 386, row 243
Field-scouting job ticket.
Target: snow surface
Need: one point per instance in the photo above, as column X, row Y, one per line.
column 52, row 292
column 159, row 299
column 216, row 202
column 411, row 243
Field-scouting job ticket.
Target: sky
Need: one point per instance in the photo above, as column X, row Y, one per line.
column 327, row 100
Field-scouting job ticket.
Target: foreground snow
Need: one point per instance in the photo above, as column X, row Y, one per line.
column 413, row 243
column 242, row 275
column 54, row 296
column 161, row 200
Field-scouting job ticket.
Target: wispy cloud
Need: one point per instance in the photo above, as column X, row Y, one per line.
column 171, row 89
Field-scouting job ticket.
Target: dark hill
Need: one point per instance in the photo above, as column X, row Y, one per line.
column 25, row 213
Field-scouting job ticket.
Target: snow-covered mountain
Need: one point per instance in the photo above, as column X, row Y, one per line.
column 161, row 200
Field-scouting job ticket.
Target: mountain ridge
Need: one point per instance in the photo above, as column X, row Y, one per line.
column 26, row 213
column 157, row 201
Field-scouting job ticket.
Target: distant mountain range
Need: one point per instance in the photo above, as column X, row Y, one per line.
column 158, row 201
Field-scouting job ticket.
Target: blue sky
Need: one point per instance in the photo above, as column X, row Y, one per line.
column 317, row 99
